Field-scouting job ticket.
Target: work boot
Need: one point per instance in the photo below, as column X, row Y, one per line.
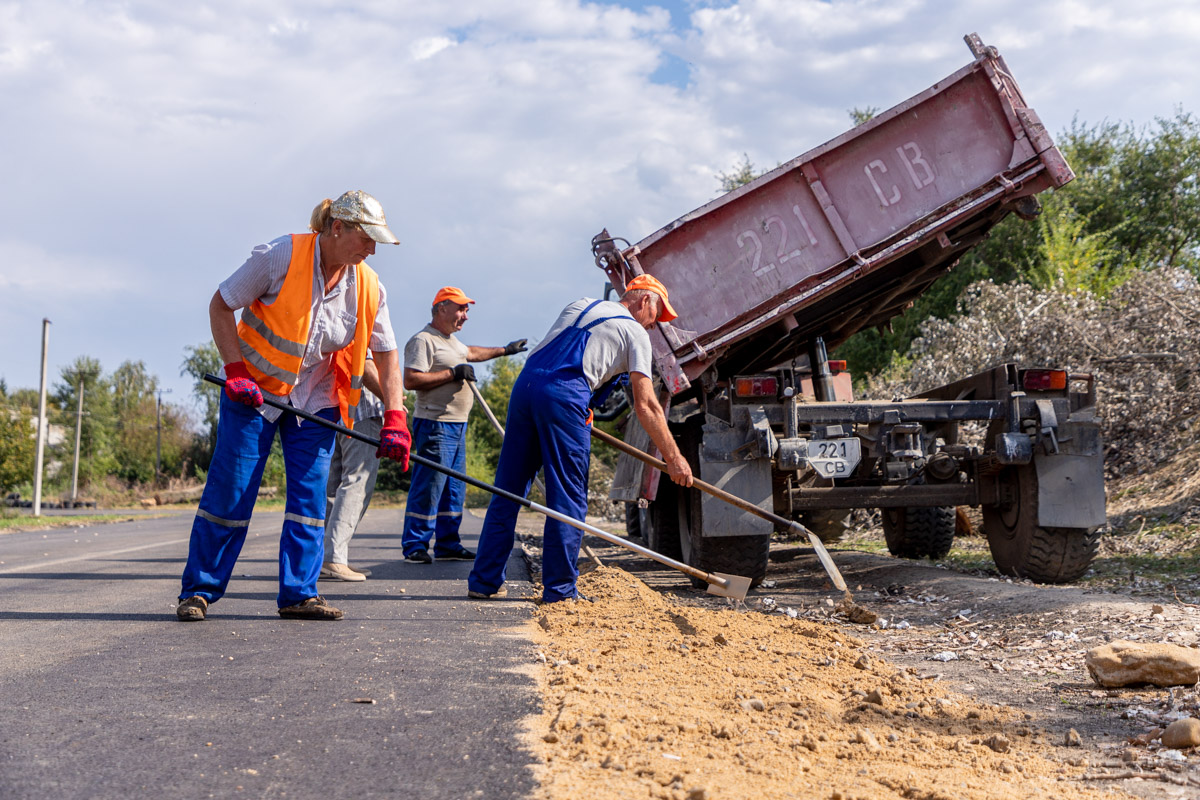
column 193, row 609
column 340, row 572
column 501, row 592
column 360, row 570
column 312, row 608
column 463, row 554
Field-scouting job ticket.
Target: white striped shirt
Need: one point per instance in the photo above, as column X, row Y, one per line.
column 334, row 315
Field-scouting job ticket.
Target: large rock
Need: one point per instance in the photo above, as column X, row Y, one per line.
column 1182, row 733
column 1123, row 663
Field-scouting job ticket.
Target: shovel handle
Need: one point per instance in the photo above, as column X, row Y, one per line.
column 784, row 523
column 496, row 490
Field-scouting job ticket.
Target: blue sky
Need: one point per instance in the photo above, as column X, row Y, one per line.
column 149, row 146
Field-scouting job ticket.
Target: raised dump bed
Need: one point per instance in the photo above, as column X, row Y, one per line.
column 842, row 238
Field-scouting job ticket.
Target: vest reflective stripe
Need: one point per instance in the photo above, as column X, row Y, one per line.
column 253, row 359
column 316, row 523
column 225, row 523
column 278, row 342
column 274, row 337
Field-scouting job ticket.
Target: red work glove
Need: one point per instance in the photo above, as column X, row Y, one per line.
column 394, row 440
column 240, row 387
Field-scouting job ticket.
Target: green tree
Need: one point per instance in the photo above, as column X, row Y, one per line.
column 17, row 444
column 198, row 361
column 742, row 173
column 97, row 426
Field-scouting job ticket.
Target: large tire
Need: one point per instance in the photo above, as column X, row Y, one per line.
column 732, row 555
column 633, row 520
column 919, row 532
column 1021, row 548
column 829, row 524
column 660, row 522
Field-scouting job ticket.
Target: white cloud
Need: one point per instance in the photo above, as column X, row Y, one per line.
column 148, row 146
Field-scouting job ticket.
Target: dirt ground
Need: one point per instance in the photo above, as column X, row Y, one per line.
column 966, row 686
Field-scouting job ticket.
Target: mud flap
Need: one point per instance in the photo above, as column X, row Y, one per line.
column 1071, row 483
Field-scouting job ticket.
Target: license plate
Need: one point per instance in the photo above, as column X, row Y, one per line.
column 834, row 458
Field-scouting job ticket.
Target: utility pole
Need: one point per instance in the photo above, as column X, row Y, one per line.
column 158, row 432
column 41, row 427
column 78, row 430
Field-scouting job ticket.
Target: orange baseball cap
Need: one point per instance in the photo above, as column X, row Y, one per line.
column 451, row 293
column 651, row 283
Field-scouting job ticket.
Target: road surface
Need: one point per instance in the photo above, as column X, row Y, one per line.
column 104, row 694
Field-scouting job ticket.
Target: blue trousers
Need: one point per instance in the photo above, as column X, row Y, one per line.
column 244, row 440
column 435, row 500
column 547, row 428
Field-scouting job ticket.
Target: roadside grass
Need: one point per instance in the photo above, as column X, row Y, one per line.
column 12, row 522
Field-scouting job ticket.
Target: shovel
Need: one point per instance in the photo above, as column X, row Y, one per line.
column 734, row 586
column 786, row 524
column 487, row 410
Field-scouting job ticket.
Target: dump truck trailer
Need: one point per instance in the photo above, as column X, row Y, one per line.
column 770, row 277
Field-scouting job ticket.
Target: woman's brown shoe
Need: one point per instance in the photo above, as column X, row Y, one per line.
column 312, row 608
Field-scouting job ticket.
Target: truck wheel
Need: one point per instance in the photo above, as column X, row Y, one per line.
column 829, row 524
column 633, row 521
column 733, row 555
column 919, row 532
column 1021, row 548
column 660, row 522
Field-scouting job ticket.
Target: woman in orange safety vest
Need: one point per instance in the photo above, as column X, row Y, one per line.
column 311, row 310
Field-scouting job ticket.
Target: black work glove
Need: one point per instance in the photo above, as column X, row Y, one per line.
column 518, row 346
column 464, row 372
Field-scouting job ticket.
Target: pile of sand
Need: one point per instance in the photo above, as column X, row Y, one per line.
column 647, row 698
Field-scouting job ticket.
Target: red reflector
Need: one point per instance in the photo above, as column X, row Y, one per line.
column 837, row 366
column 1044, row 380
column 756, row 387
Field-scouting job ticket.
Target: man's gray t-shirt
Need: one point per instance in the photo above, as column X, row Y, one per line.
column 432, row 351
column 616, row 346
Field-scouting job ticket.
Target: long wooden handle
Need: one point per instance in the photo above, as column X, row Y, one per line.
column 822, row 554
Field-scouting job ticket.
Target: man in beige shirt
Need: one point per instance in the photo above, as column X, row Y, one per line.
column 437, row 366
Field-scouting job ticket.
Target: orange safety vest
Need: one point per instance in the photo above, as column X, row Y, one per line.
column 274, row 337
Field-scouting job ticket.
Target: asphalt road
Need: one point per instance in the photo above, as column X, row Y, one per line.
column 103, row 694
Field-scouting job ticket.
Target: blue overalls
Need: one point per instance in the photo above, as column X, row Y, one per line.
column 547, row 428
column 244, row 440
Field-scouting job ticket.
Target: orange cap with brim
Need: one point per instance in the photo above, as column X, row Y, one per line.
column 652, row 284
column 451, row 293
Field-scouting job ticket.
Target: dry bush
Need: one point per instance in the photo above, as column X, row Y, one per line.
column 1141, row 342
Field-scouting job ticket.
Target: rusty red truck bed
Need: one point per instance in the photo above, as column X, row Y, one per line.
column 846, row 235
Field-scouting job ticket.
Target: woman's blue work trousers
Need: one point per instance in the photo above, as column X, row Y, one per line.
column 244, row 439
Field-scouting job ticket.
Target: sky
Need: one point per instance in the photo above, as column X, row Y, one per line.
column 148, row 146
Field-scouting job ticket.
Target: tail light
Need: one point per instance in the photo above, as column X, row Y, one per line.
column 837, row 366
column 1044, row 380
column 756, row 386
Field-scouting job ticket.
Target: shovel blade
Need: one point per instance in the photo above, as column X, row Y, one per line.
column 735, row 586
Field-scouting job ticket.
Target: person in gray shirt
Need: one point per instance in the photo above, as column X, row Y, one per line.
column 352, row 474
column 437, row 367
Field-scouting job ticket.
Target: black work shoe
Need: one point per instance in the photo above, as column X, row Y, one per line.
column 193, row 609
column 312, row 608
column 501, row 592
column 419, row 557
column 461, row 555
